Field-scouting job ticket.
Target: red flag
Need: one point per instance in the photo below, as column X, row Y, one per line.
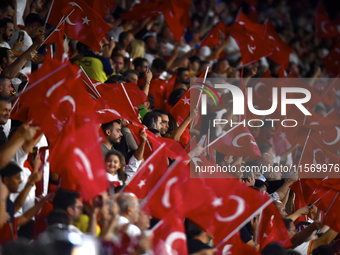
column 236, row 246
column 329, row 139
column 169, row 191
column 302, row 193
column 188, row 101
column 169, row 235
column 252, row 46
column 100, row 6
column 243, row 20
column 317, row 162
column 83, row 24
column 325, row 28
column 213, row 38
column 328, row 93
column 238, row 142
column 148, row 173
column 272, row 228
column 320, row 123
column 227, row 210
column 116, row 98
column 280, row 49
column 332, row 61
column 79, row 161
column 177, row 17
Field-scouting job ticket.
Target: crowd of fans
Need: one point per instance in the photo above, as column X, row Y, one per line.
column 38, row 217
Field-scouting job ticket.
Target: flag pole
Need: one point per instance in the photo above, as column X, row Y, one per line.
column 48, row 14
column 303, row 150
column 321, row 196
column 60, row 22
column 330, row 206
column 94, row 90
column 199, row 98
column 330, row 86
column 160, row 181
column 189, row 143
column 144, row 164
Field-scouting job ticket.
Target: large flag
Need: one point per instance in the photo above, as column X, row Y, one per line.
column 272, row 228
column 229, row 209
column 324, row 26
column 332, row 61
column 251, row 44
column 235, row 246
column 83, row 24
column 169, row 235
column 317, row 162
column 148, row 173
column 78, row 159
column 280, row 49
column 238, row 142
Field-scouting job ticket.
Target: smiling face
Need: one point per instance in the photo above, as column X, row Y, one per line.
column 113, row 164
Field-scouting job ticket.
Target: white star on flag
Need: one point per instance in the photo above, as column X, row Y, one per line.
column 141, row 184
column 326, row 160
column 86, row 20
column 186, row 100
column 217, row 202
column 283, row 135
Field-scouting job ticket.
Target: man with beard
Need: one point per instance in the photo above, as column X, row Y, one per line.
column 182, row 79
column 6, row 32
column 113, row 133
column 165, row 121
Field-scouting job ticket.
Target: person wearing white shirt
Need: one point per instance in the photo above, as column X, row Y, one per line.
column 129, row 212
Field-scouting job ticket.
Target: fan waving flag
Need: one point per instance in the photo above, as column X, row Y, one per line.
column 238, row 142
column 213, row 38
column 83, row 24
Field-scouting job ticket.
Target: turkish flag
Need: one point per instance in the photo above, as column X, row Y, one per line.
column 135, row 95
column 236, row 246
column 320, row 123
column 272, row 228
column 329, row 139
column 153, row 142
column 213, row 38
column 238, row 142
column 83, row 24
column 148, row 173
column 280, row 49
column 328, row 93
column 181, row 110
column 169, row 191
column 324, row 26
column 169, row 235
column 280, row 140
column 332, row 61
column 243, row 20
column 324, row 197
column 317, row 162
column 250, row 41
column 118, row 101
column 227, row 210
column 79, row 161
column 144, row 10
column 159, row 92
column 177, row 17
